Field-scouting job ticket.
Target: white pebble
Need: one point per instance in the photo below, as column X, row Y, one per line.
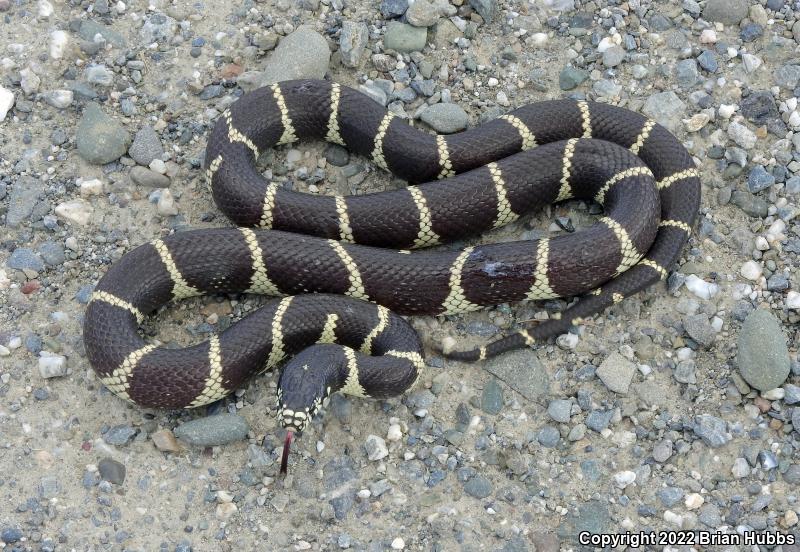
column 708, row 36
column 751, row 270
column 158, row 166
column 226, row 510
column 77, row 212
column 29, row 81
column 91, row 187
column 120, row 7
column 394, row 433
column 364, row 494
column 794, row 120
column 693, row 501
column 740, row 468
column 539, row 39
column 567, row 341
column 673, row 519
column 793, row 300
column 320, row 446
column 4, row 351
column 761, row 243
column 52, row 365
column 398, row 544
column 726, row 110
column 60, row 99
column 45, row 9
column 776, row 394
column 166, row 204
column 5, row 282
column 607, row 43
column 15, row 342
column 701, row 288
column 751, row 62
column 624, row 478
column 58, row 44
column 6, row 102
column 376, row 448
column 791, row 103
column 492, row 82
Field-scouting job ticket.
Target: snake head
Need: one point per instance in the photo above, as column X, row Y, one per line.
column 305, row 384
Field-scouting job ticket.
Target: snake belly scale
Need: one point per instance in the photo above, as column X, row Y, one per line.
column 343, row 268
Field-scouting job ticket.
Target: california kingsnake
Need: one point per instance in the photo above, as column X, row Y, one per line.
column 533, row 156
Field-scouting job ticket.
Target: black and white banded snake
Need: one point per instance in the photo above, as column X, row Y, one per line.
column 353, row 252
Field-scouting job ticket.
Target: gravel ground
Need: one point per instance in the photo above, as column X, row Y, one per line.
column 677, row 409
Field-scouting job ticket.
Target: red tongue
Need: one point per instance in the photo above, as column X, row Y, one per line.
column 285, row 457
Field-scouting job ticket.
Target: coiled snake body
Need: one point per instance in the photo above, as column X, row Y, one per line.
column 291, row 244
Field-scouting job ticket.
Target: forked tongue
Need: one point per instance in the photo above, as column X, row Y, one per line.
column 285, row 456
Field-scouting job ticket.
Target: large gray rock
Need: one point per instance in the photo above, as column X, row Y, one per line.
column 666, row 108
column 352, row 41
column 213, row 430
column 727, row 12
column 100, row 138
column 24, row 194
column 763, row 357
column 304, row 54
column 522, row 371
column 146, row 146
column 404, row 38
column 445, row 118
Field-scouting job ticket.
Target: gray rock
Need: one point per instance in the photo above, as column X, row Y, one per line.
column 352, row 41
column 375, row 93
column 686, row 73
column 146, row 146
column 304, row 54
column 793, row 185
column 792, row 475
column 616, row 373
column 796, row 419
column 24, row 258
column 670, row 496
column 52, row 253
column 25, row 192
column 339, row 479
column 560, row 410
column 708, row 61
column 613, row 56
column 522, row 371
column 478, row 487
column 49, row 487
column 336, row 155
column 712, row 430
column 111, row 471
column 492, row 397
column 90, row 29
column 119, row 435
column 445, row 118
column 685, row 372
column 393, row 8
column 100, row 139
column 598, row 420
column 787, row 76
column 699, row 329
column 157, row 27
column 666, row 108
column 662, row 451
column 709, row 515
column 404, row 38
column 99, row 75
column 548, row 436
column 592, row 517
column 759, row 179
column 750, row 204
column 148, row 178
column 571, row 77
column 792, row 394
column 763, row 356
column 742, row 135
column 485, row 8
column 10, row 535
column 727, row 12
column 425, row 13
column 375, row 448
column 213, row 430
column 607, row 88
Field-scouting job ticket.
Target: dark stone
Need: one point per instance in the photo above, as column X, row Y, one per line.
column 111, row 471
column 759, row 107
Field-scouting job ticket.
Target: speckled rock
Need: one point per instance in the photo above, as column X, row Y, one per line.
column 146, row 146
column 213, row 430
column 304, row 54
column 25, row 192
column 100, row 138
column 728, row 12
column 404, row 38
column 763, row 356
column 666, row 108
column 445, row 118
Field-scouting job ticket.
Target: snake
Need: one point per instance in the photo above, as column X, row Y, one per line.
column 345, row 271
